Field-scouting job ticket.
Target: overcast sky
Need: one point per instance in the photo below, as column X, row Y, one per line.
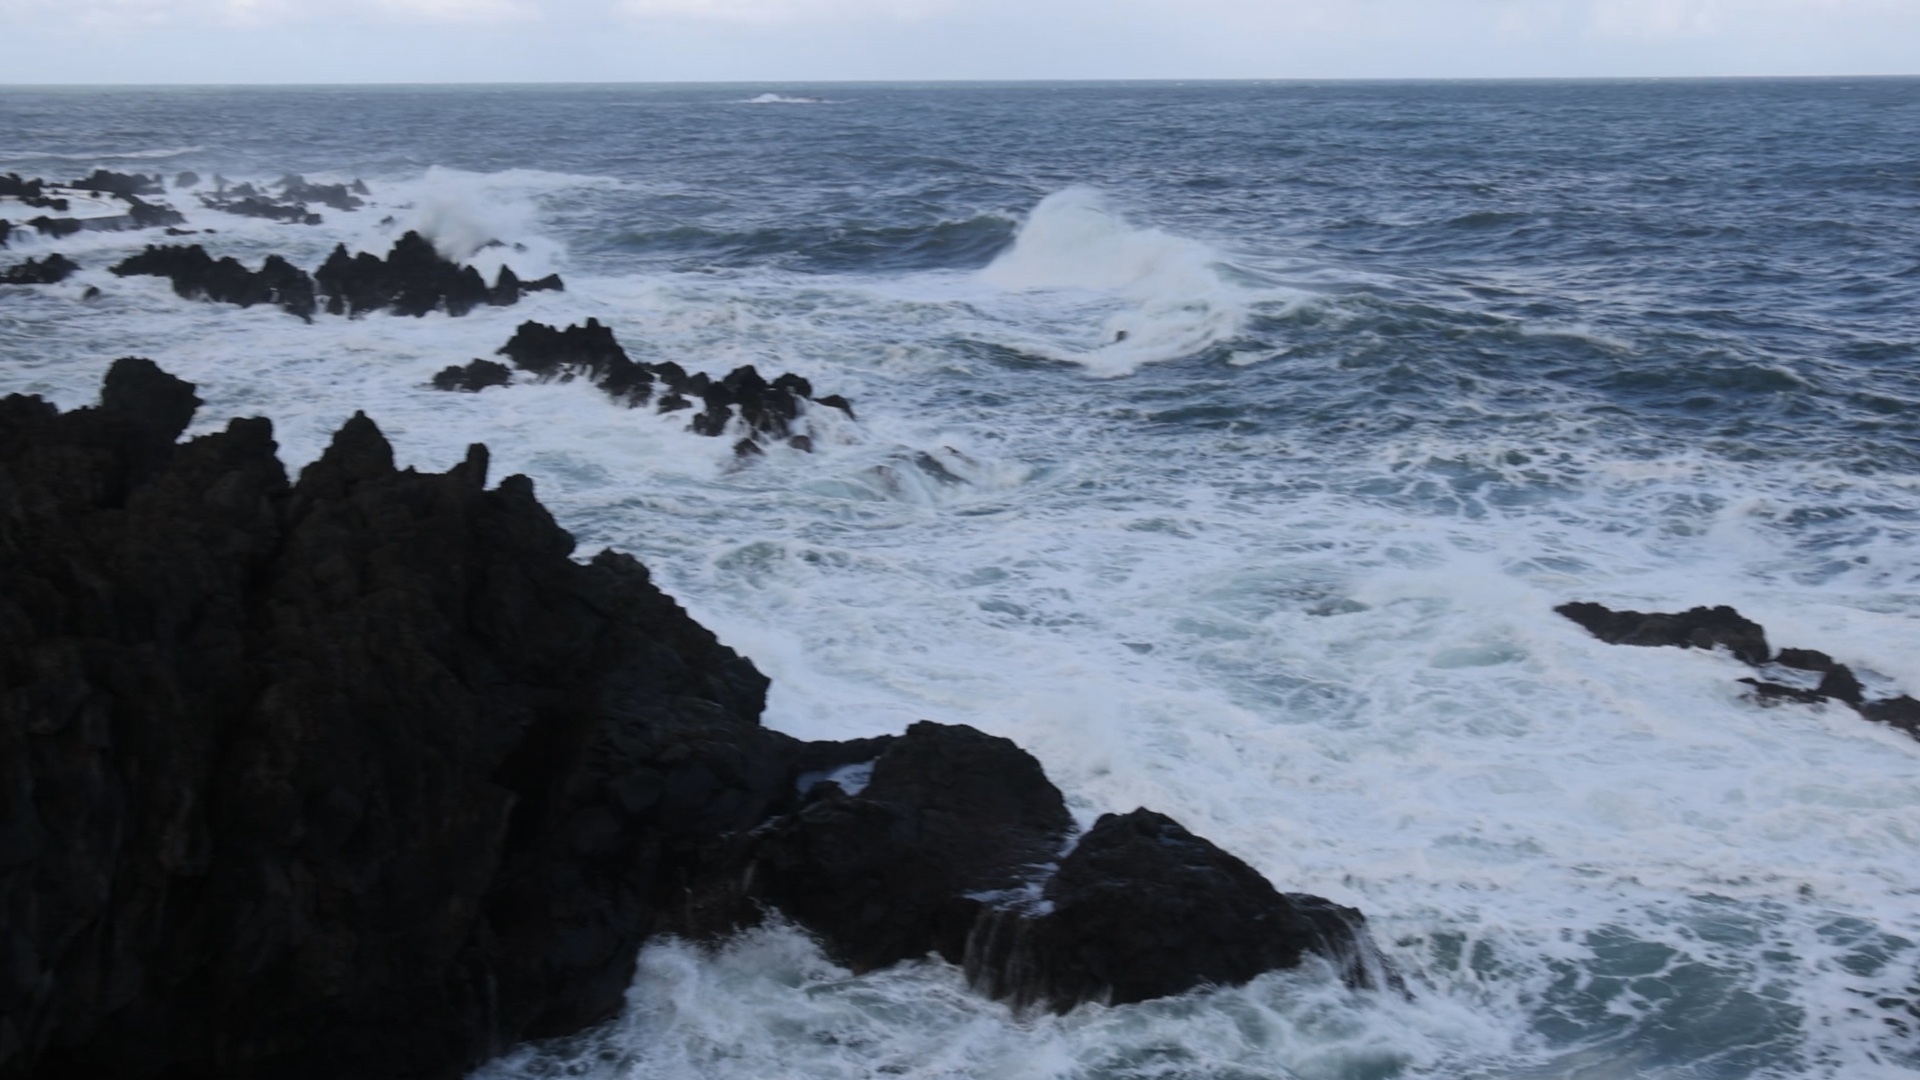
column 792, row 41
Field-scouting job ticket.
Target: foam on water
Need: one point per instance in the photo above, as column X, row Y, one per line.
column 1294, row 590
column 1161, row 297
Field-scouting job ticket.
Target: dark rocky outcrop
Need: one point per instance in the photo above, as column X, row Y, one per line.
column 1142, row 908
column 197, row 275
column 473, row 377
column 31, row 193
column 56, row 227
column 766, row 411
column 356, row 776
column 339, row 196
column 51, row 270
column 954, row 846
column 362, row 775
column 124, row 185
column 127, row 188
column 1708, row 628
column 414, row 279
column 1695, row 628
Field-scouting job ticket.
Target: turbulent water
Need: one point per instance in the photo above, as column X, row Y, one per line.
column 1226, row 445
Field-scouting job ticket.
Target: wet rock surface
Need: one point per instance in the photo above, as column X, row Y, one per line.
column 743, row 401
column 359, row 775
column 414, row 279
column 363, row 775
column 958, row 845
column 198, row 275
column 51, row 270
column 472, row 377
column 1142, row 908
column 1723, row 627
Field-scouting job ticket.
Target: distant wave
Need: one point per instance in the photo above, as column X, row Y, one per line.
column 104, row 155
column 783, row 99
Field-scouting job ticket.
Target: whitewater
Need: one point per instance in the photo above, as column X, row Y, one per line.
column 1228, row 447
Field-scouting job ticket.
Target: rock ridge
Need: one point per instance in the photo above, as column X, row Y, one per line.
column 362, row 774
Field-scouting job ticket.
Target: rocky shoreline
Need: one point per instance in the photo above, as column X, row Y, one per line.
column 362, row 774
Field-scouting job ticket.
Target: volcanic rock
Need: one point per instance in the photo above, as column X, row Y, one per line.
column 1695, row 628
column 125, row 185
column 765, row 410
column 51, row 270
column 364, row 776
column 358, row 776
column 413, row 280
column 954, row 846
column 1141, row 908
column 1703, row 627
column 473, row 377
column 195, row 274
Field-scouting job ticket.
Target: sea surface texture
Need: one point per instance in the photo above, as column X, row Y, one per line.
column 1229, row 447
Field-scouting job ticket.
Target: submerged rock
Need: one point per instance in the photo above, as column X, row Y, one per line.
column 1695, row 628
column 1707, row 628
column 743, row 400
column 52, row 270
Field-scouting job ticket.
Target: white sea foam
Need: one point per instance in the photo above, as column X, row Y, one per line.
column 1158, row 296
column 784, row 99
column 151, row 154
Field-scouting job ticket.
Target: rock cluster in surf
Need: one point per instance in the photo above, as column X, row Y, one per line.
column 413, row 279
column 766, row 411
column 289, row 205
column 130, row 190
column 1789, row 673
column 362, row 775
column 51, row 270
column 955, row 843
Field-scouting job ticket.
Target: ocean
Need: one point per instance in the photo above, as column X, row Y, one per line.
column 1226, row 445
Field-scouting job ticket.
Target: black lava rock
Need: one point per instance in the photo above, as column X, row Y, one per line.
column 1695, row 628
column 197, row 275
column 356, row 776
column 766, row 411
column 1703, row 627
column 473, row 377
column 413, row 280
column 954, row 847
column 53, row 269
column 1142, row 908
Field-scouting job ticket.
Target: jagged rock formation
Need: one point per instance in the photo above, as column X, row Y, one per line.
column 357, row 776
column 290, row 205
column 197, row 275
column 363, row 775
column 52, row 270
column 128, row 189
column 413, row 280
column 766, row 410
column 1723, row 627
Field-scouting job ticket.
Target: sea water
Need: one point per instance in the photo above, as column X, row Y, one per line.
column 1226, row 445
